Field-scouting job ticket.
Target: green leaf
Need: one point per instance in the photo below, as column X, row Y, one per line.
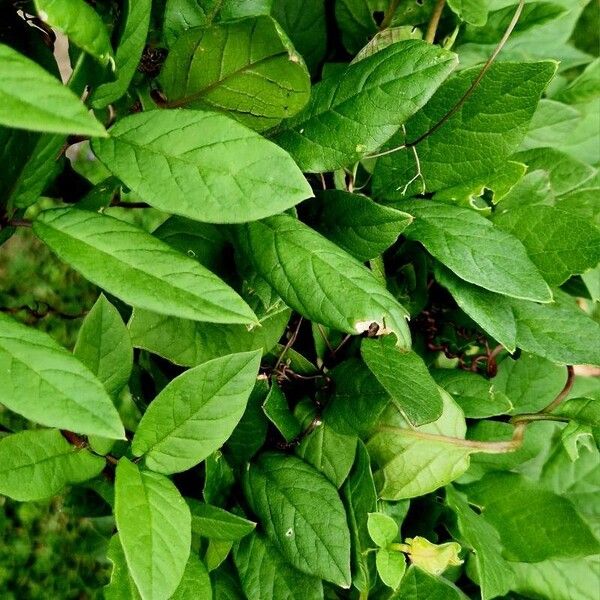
column 104, row 347
column 318, row 279
column 37, row 464
column 139, row 269
column 417, row 584
column 265, row 574
column 559, row 579
column 304, row 22
column 577, row 480
column 216, row 553
column 542, row 31
column 386, row 37
column 360, row 499
column 533, row 15
column 201, row 165
column 478, row 397
column 551, row 121
column 495, row 576
column 358, row 225
column 181, row 15
column 534, row 524
column 483, row 133
column 215, row 523
column 531, row 382
column 585, row 411
column 382, row 529
column 195, row 413
column 352, row 114
column 358, row 22
column 189, row 343
column 583, row 202
column 405, row 377
column 153, row 521
column 391, row 566
column 251, row 432
column 358, row 399
column 413, row 461
column 302, row 513
column 474, row 12
column 195, row 583
column 129, row 52
column 43, row 382
column 246, row 68
column 121, row 585
column 558, row 242
column 566, row 173
column 492, row 312
column 277, row 410
column 475, row 249
column 329, row 451
column 31, row 98
column 560, row 332
column 203, row 241
column 80, row 23
column 218, row 479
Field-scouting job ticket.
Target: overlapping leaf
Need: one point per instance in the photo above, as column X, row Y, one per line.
column 153, row 522
column 37, row 464
column 195, row 413
column 318, row 279
column 202, row 165
column 139, row 269
column 31, row 98
column 354, row 113
column 46, row 384
column 246, row 68
column 302, row 513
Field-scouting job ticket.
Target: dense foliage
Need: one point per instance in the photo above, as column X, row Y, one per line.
column 295, row 298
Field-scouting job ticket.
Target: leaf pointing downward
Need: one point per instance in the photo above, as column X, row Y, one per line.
column 318, row 279
column 303, row 514
column 154, row 526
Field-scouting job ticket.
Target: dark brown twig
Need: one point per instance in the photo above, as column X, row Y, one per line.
column 122, row 204
column 41, row 312
column 564, row 392
column 434, row 21
column 289, row 344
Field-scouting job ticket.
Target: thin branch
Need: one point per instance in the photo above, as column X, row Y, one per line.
column 289, row 344
column 325, row 339
column 389, row 15
column 18, row 223
column 385, row 152
column 434, row 21
column 477, row 80
column 564, row 392
column 42, row 312
column 477, row 446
